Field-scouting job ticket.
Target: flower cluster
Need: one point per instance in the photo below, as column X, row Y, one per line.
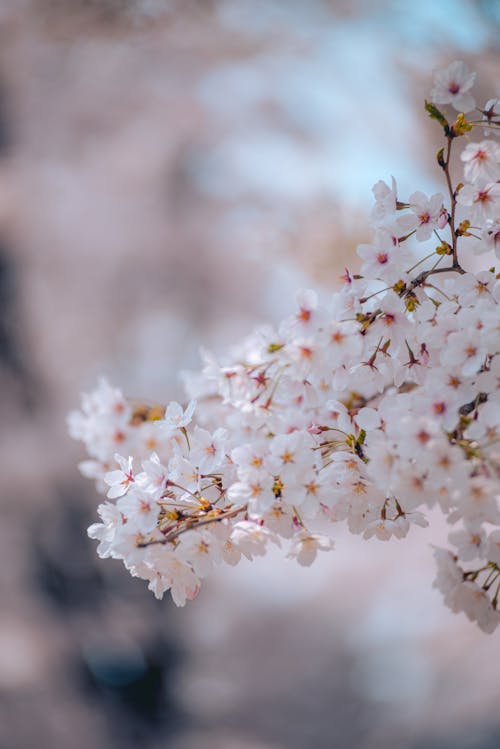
column 369, row 408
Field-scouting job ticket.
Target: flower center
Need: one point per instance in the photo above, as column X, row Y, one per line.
column 483, row 197
column 337, row 337
column 304, row 315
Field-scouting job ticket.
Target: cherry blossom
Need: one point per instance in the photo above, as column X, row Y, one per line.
column 367, row 409
column 385, row 201
column 176, row 417
column 483, row 198
column 428, row 214
column 490, row 236
column 305, row 547
column 119, row 481
column 482, row 161
column 452, row 85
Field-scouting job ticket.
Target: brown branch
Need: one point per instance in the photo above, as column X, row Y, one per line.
column 453, row 199
column 191, row 523
column 422, row 277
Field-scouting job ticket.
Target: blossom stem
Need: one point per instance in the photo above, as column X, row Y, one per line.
column 419, row 262
column 192, row 523
column 298, row 518
column 494, row 600
column 422, row 277
column 453, row 199
column 490, row 578
column 183, row 488
column 440, row 291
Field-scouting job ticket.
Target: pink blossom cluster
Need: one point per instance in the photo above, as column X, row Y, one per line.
column 370, row 408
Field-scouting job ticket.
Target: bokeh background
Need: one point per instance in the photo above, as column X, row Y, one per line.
column 170, row 172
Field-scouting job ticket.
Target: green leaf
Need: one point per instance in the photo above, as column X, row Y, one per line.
column 435, row 114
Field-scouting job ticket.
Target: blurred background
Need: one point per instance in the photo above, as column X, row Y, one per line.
column 170, row 172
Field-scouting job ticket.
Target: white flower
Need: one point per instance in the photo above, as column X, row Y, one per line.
column 465, row 350
column 207, row 450
column 482, row 161
column 462, row 595
column 478, row 502
column 493, row 547
column 385, row 200
column 154, row 476
column 475, row 289
column 166, row 571
column 483, row 198
column 452, row 85
column 476, row 605
column 139, row 509
column 254, row 460
column 385, row 528
column 470, row 543
column 305, row 547
column 254, row 491
column 342, row 342
column 103, row 422
column 307, row 302
column 252, row 539
column 441, row 404
column 305, row 355
column 382, row 456
column 176, row 417
column 444, row 466
column 385, row 258
column 119, row 481
column 201, row 549
column 279, row 519
column 368, row 419
column 490, row 237
column 183, row 473
column 428, row 214
column 105, row 532
column 293, row 455
column 449, row 575
column 392, row 323
column 409, row 485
